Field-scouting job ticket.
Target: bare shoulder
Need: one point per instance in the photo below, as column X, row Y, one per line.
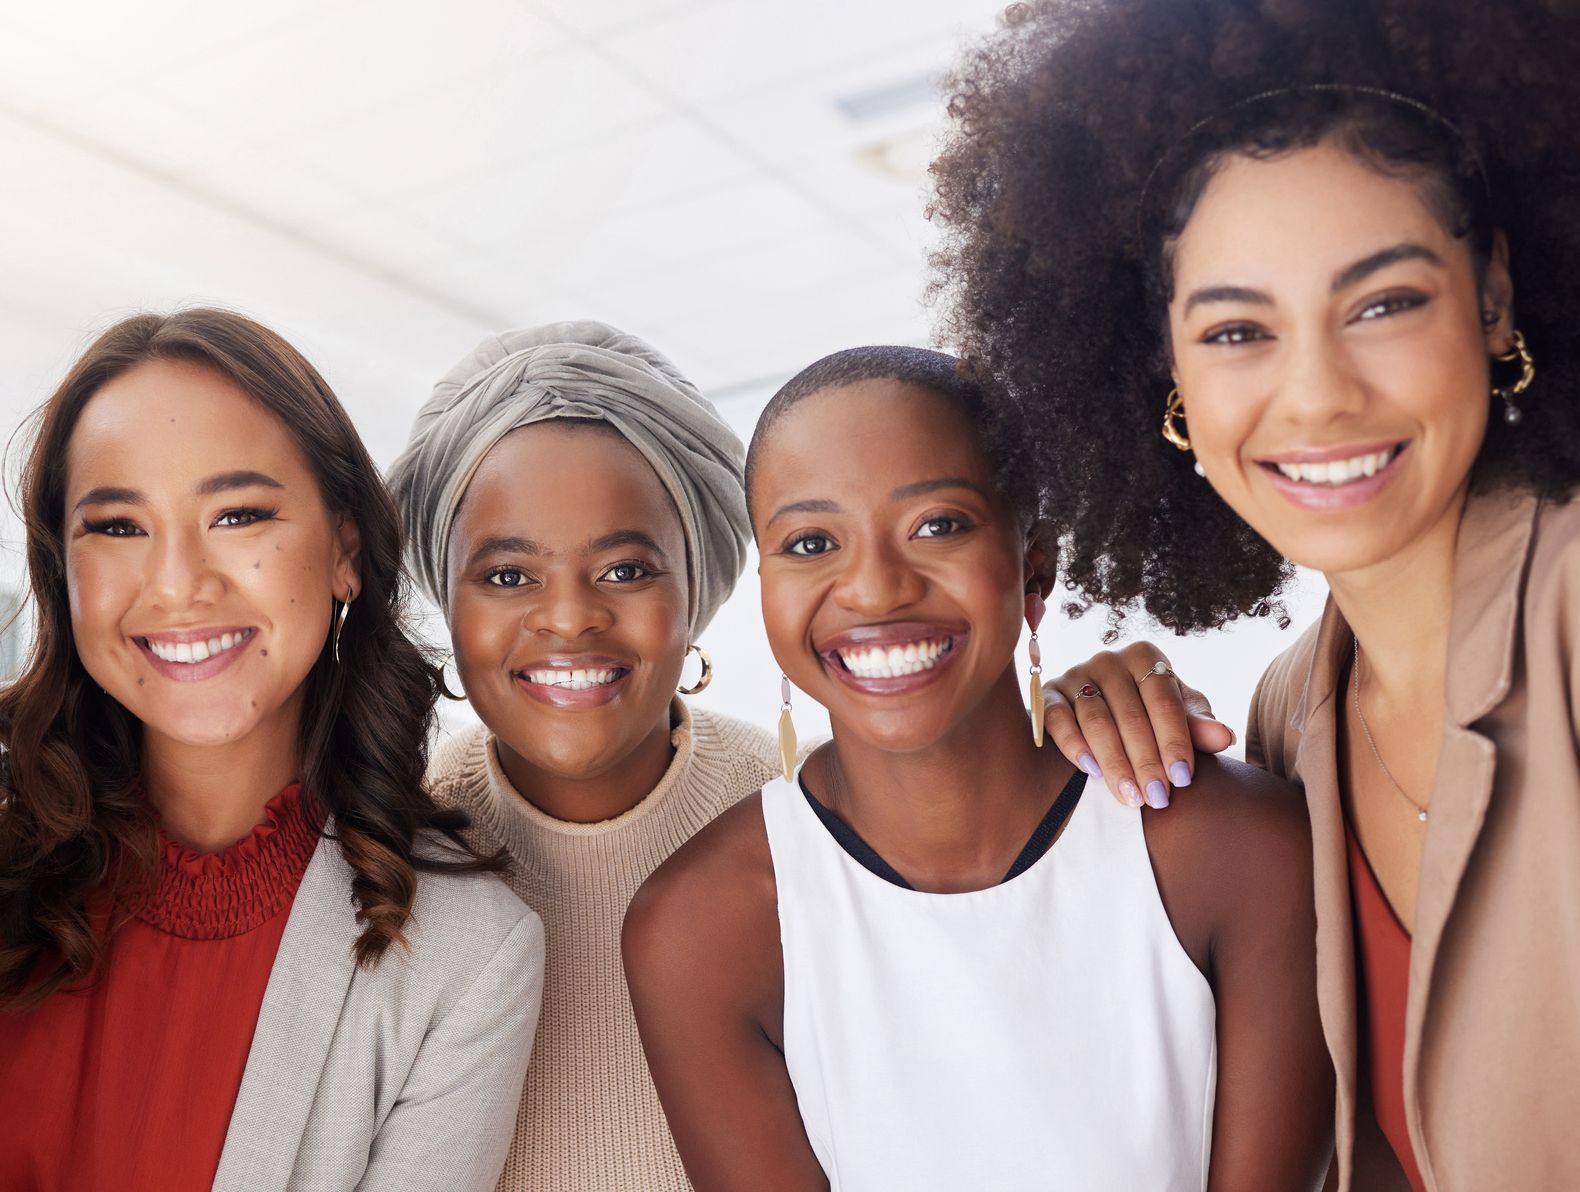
column 1232, row 807
column 713, row 890
column 1233, row 847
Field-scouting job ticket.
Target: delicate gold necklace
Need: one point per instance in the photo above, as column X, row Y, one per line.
column 1355, row 669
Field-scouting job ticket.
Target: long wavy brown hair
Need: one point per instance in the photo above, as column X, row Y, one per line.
column 78, row 839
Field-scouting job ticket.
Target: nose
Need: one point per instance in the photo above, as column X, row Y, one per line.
column 1319, row 385
column 877, row 580
column 568, row 610
column 178, row 572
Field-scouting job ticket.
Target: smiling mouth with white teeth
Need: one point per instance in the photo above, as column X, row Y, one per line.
column 190, row 653
column 893, row 662
column 1335, row 472
column 575, row 680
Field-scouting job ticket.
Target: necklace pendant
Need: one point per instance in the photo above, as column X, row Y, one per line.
column 1421, row 815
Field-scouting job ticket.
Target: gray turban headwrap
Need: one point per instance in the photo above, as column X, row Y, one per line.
column 577, row 370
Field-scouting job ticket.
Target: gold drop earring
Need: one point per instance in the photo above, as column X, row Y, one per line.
column 1511, row 412
column 787, row 741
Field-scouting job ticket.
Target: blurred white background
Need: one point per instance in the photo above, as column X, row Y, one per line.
column 742, row 182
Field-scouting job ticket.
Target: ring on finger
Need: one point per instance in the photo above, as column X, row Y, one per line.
column 1087, row 691
column 1157, row 668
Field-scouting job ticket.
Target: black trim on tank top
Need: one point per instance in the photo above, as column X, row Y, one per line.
column 867, row 857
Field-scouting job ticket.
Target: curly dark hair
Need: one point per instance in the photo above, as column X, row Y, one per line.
column 73, row 821
column 1085, row 130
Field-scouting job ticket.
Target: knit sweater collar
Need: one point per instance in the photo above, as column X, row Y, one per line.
column 211, row 896
column 542, row 844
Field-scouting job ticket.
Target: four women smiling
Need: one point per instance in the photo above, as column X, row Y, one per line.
column 250, row 937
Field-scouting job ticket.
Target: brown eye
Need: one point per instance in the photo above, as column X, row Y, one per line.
column 940, row 527
column 626, row 573
column 1239, row 333
column 809, row 546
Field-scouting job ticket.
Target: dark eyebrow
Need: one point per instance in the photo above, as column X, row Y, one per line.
column 1225, row 294
column 110, row 496
column 815, row 505
column 226, row 482
column 505, row 545
column 923, row 487
column 1365, row 267
column 626, row 538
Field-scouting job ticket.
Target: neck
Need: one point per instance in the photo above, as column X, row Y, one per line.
column 1399, row 611
column 593, row 798
column 954, row 815
column 210, row 796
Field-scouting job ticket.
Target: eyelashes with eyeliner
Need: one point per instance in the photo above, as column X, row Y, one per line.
column 125, row 527
column 495, row 576
column 957, row 525
column 1388, row 304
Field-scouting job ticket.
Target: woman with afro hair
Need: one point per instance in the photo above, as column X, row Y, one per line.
column 1282, row 283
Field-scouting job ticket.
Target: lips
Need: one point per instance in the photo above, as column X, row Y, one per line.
column 192, row 655
column 891, row 659
column 573, row 681
column 1334, row 478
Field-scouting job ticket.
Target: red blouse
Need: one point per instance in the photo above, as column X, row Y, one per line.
column 1385, row 977
column 129, row 1084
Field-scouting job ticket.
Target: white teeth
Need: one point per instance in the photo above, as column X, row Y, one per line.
column 876, row 662
column 200, row 651
column 1338, row 471
column 575, row 680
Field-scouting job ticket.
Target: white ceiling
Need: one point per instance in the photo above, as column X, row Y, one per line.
column 386, row 181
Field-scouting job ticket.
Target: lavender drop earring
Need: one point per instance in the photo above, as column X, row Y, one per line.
column 1035, row 608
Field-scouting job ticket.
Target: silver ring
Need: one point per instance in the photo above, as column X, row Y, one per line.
column 1087, row 691
column 1157, row 668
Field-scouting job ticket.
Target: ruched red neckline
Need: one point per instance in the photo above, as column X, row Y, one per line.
column 211, row 896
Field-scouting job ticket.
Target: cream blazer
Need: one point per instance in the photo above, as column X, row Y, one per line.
column 1492, row 1024
column 398, row 1078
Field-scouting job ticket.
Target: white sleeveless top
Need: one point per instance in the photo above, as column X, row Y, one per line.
column 1049, row 1032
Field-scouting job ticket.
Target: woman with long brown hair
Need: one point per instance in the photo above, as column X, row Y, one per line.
column 239, row 945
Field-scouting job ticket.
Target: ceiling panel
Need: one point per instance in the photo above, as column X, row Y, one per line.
column 520, row 205
column 721, row 51
column 344, row 60
column 480, row 123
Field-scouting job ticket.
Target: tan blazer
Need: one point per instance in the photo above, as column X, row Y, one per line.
column 1492, row 1023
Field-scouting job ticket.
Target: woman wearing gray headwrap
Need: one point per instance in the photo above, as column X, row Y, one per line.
column 576, row 508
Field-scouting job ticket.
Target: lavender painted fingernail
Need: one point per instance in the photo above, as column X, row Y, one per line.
column 1089, row 763
column 1157, row 794
column 1179, row 774
column 1130, row 793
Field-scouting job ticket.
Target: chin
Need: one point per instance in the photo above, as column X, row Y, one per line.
column 1342, row 549
column 895, row 732
column 571, row 754
column 204, row 728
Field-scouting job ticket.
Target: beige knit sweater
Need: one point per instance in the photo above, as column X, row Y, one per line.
column 590, row 1120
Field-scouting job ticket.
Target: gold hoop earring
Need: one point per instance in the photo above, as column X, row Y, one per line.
column 1175, row 409
column 707, row 671
column 1511, row 412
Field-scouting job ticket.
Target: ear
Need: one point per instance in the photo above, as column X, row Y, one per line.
column 1497, row 298
column 1038, row 568
column 347, row 570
